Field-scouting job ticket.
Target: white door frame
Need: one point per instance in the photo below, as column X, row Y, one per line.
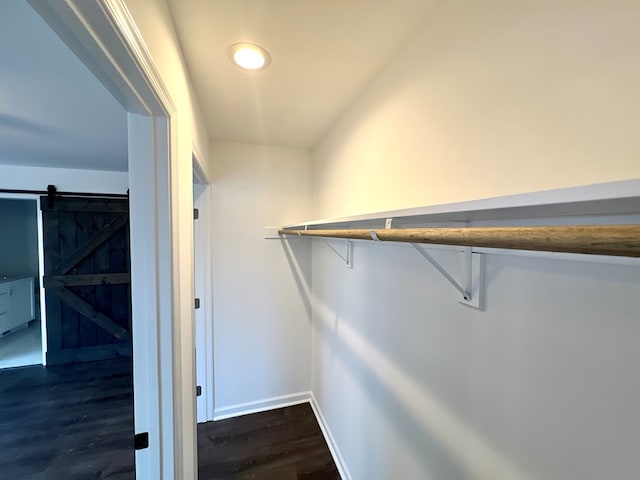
column 103, row 35
column 43, row 311
column 203, row 273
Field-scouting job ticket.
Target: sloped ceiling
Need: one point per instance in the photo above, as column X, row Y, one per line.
column 53, row 111
column 323, row 53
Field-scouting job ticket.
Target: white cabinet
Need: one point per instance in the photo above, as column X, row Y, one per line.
column 16, row 303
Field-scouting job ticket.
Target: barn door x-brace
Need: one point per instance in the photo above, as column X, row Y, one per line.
column 95, row 228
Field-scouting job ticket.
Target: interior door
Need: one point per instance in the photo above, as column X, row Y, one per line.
column 86, row 279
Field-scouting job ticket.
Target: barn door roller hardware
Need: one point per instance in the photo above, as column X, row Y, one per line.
column 51, row 196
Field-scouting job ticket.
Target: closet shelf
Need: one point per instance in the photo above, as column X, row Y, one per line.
column 594, row 223
column 592, row 220
column 621, row 198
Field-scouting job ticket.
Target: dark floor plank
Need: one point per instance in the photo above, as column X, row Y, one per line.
column 76, row 422
column 67, row 422
column 282, row 444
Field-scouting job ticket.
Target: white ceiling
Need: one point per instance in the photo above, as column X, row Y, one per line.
column 323, row 53
column 53, row 111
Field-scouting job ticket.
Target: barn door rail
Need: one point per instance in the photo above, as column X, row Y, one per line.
column 52, row 193
column 612, row 240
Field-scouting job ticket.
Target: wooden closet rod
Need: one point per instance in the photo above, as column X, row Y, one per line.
column 618, row 240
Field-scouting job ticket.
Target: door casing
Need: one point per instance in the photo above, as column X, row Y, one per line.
column 203, row 276
column 103, row 35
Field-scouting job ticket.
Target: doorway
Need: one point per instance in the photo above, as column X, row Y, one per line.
column 86, row 405
column 21, row 326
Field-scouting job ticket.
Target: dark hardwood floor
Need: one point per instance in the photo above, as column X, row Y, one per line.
column 67, row 422
column 281, row 444
column 75, row 422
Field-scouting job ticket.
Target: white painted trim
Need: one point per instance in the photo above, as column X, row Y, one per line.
column 204, row 290
column 199, row 177
column 620, row 197
column 147, row 327
column 203, row 273
column 331, row 442
column 198, row 165
column 261, row 405
column 208, row 287
column 43, row 305
column 132, row 38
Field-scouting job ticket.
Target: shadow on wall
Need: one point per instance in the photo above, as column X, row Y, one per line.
column 435, row 433
column 440, row 440
column 301, row 271
column 527, row 386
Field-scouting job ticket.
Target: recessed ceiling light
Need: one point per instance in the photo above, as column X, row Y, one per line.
column 249, row 56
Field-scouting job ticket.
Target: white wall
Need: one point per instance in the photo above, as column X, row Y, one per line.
column 542, row 384
column 490, row 98
column 261, row 308
column 19, row 233
column 15, row 177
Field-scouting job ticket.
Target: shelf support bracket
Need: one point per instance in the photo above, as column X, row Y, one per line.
column 347, row 258
column 473, row 289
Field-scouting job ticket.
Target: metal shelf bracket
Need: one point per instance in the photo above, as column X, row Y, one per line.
column 347, row 258
column 472, row 288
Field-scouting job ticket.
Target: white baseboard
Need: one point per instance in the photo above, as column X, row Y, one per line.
column 261, row 405
column 333, row 446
